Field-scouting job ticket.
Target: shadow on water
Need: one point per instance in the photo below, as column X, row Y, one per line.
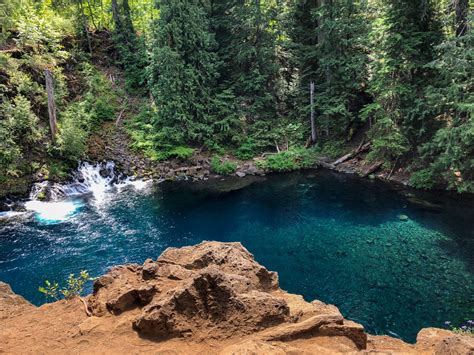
column 393, row 259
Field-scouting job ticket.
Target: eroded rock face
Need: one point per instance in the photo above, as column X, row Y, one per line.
column 11, row 304
column 192, row 290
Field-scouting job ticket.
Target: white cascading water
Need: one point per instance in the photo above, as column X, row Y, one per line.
column 52, row 201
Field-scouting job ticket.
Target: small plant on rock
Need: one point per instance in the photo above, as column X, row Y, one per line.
column 74, row 286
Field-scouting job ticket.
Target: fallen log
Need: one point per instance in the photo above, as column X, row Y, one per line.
column 372, row 169
column 344, row 158
column 361, row 149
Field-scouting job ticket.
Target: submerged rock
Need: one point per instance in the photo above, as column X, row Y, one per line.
column 403, row 217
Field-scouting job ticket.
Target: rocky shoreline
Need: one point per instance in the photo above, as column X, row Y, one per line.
column 209, row 298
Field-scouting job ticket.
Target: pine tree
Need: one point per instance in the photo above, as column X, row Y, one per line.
column 328, row 45
column 448, row 155
column 183, row 73
column 246, row 42
column 302, row 27
column 405, row 33
column 131, row 48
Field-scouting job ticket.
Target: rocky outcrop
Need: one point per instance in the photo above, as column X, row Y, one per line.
column 11, row 304
column 213, row 288
column 212, row 298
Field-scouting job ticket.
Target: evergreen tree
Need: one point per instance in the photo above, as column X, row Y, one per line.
column 302, row 28
column 329, row 48
column 405, row 33
column 341, row 75
column 246, row 36
column 131, row 48
column 450, row 151
column 183, row 73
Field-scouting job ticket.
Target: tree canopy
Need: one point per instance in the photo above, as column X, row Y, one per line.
column 233, row 76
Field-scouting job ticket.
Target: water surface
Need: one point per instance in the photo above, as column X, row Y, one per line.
column 390, row 261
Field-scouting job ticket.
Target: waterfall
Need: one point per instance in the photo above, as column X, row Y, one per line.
column 57, row 202
column 94, row 179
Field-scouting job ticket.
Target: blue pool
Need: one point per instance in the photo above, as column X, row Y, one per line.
column 394, row 260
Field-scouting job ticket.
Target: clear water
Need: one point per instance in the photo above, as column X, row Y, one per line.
column 330, row 237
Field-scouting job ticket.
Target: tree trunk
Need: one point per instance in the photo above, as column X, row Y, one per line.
column 311, row 102
column 128, row 17
column 462, row 10
column 84, row 25
column 116, row 16
column 51, row 104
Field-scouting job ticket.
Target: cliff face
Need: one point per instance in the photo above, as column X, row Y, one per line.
column 212, row 298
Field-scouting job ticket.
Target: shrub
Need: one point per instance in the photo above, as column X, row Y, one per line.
column 18, row 128
column 293, row 159
column 423, row 179
column 181, row 152
column 74, row 286
column 333, row 149
column 73, row 133
column 225, row 167
column 247, row 150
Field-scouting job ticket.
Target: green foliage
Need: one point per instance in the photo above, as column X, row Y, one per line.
column 131, row 48
column 333, row 149
column 423, row 179
column 328, row 47
column 73, row 133
column 388, row 143
column 449, row 153
column 247, row 150
column 78, row 119
column 183, row 72
column 19, row 129
column 466, row 328
column 223, row 166
column 233, row 76
column 403, row 36
column 73, row 288
column 50, row 290
column 294, row 159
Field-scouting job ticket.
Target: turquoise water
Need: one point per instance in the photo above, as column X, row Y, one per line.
column 330, row 237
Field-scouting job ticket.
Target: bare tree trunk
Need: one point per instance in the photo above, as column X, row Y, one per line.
column 462, row 10
column 311, row 103
column 51, row 103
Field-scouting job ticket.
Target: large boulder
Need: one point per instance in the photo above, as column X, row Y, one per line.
column 228, row 303
column 193, row 290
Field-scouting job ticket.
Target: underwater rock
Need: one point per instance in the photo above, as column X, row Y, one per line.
column 403, row 217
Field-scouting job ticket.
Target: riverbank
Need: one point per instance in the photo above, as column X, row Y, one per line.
column 209, row 298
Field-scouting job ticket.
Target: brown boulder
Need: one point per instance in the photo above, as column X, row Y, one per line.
column 230, row 257
column 212, row 299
